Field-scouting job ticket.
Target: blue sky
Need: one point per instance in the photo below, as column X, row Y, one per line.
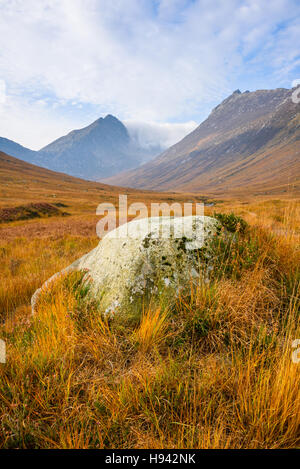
column 158, row 65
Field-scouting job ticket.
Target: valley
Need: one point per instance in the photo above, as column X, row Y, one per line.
column 248, row 144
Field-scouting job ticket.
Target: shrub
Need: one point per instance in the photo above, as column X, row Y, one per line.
column 232, row 222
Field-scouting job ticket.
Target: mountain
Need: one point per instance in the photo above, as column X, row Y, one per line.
column 12, row 148
column 18, row 176
column 103, row 148
column 22, row 183
column 251, row 140
column 97, row 151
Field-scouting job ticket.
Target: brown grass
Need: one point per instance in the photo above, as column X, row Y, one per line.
column 211, row 370
column 29, row 211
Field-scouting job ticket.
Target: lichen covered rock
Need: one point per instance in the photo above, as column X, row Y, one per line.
column 139, row 257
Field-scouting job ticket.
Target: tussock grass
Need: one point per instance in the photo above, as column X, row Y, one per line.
column 152, row 329
column 27, row 263
column 212, row 369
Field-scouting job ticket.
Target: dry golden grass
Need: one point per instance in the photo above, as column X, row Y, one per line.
column 210, row 369
column 27, row 263
column 152, row 329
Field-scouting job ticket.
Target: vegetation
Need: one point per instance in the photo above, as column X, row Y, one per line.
column 212, row 369
column 26, row 212
column 231, row 222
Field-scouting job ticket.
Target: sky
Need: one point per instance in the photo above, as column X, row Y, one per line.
column 160, row 66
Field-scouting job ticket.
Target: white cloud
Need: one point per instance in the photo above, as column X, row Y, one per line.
column 2, row 92
column 150, row 134
column 33, row 124
column 141, row 60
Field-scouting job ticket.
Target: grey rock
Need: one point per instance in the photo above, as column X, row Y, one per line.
column 135, row 258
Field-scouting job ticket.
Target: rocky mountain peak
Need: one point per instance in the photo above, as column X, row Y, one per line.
column 111, row 118
column 98, row 150
column 248, row 138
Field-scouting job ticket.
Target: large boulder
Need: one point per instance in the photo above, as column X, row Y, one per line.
column 143, row 256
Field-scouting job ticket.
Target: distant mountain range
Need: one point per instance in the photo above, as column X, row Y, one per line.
column 100, row 150
column 251, row 139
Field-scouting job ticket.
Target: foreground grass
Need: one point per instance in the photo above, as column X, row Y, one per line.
column 211, row 369
column 27, row 263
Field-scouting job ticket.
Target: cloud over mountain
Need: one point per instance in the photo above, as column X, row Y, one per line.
column 65, row 62
column 151, row 134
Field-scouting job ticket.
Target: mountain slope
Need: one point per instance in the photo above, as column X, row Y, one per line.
column 24, row 182
column 12, row 148
column 102, row 149
column 250, row 139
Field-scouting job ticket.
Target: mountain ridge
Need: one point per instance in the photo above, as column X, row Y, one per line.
column 100, row 149
column 245, row 127
column 9, row 146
